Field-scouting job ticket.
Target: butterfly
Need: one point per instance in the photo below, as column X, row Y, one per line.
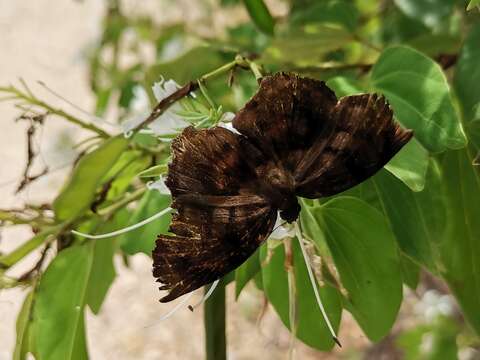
column 294, row 138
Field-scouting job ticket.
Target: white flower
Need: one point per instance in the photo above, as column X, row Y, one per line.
column 282, row 230
column 160, row 186
column 226, row 122
column 433, row 304
column 166, row 124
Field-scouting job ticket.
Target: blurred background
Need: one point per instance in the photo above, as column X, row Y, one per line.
column 57, row 42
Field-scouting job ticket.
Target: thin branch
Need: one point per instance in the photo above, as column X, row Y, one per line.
column 32, row 100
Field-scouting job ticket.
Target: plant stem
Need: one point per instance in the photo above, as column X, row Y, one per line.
column 214, row 321
column 37, row 102
column 20, row 252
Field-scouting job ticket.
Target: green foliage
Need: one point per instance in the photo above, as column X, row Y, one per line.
column 260, row 15
column 419, row 94
column 80, row 189
column 143, row 238
column 373, row 284
column 310, row 325
column 59, row 329
column 418, row 214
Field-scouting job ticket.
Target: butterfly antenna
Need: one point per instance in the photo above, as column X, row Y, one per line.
column 127, row 229
column 173, row 311
column 205, row 297
column 314, row 284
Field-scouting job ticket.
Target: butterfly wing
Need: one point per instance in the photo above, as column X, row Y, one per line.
column 364, row 139
column 328, row 145
column 219, row 221
column 286, row 116
column 213, row 236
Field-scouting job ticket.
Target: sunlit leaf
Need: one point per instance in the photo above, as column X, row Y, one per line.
column 24, row 319
column 59, row 304
column 365, row 254
column 472, row 4
column 419, row 94
column 80, row 189
column 410, row 165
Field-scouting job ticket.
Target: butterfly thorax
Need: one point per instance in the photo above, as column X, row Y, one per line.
column 278, row 186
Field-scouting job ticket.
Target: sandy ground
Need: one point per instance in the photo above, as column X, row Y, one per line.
column 46, row 40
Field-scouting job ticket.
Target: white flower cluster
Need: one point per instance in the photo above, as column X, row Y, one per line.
column 434, row 304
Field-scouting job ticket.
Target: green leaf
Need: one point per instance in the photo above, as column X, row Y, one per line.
column 143, row 238
column 460, row 251
column 311, row 328
column 419, row 94
column 467, row 75
column 429, row 12
column 246, row 272
column 307, row 46
column 410, row 165
column 334, row 11
column 365, row 254
column 417, row 219
column 188, row 66
column 260, row 15
column 24, row 320
column 472, row 4
column 103, row 272
column 344, row 86
column 410, row 272
column 80, row 189
column 59, row 304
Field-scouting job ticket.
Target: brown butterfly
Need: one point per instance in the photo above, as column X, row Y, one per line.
column 296, row 139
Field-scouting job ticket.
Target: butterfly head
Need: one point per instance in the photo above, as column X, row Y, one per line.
column 291, row 211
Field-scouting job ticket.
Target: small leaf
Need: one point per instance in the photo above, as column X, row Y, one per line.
column 365, row 254
column 344, row 86
column 472, row 4
column 79, row 192
column 336, row 12
column 306, row 46
column 260, row 15
column 410, row 165
column 419, row 94
column 143, row 238
column 59, row 304
column 246, row 272
column 430, row 12
column 24, row 319
column 311, row 328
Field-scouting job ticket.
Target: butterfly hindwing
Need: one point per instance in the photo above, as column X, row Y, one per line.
column 219, row 221
column 214, row 235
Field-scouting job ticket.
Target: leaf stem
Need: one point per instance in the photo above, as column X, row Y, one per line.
column 214, row 322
